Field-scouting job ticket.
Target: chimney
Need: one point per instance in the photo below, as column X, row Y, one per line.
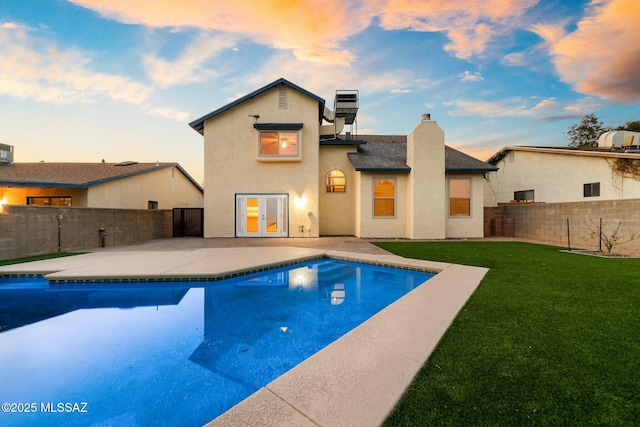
column 426, row 117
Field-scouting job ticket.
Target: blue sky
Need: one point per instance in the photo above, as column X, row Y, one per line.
column 86, row 80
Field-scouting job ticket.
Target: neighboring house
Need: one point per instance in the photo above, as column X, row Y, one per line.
column 126, row 185
column 553, row 174
column 273, row 169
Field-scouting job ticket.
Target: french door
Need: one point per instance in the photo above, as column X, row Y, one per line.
column 262, row 215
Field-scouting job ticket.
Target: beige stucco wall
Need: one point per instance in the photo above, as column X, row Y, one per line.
column 231, row 162
column 426, row 198
column 556, row 178
column 337, row 210
column 371, row 227
column 169, row 187
column 473, row 226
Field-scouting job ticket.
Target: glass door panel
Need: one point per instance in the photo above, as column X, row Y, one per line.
column 252, row 214
column 260, row 215
column 271, row 215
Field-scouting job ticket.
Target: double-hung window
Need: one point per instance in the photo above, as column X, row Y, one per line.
column 384, row 198
column 460, row 197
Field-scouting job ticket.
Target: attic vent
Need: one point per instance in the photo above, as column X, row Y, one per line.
column 282, row 98
column 127, row 163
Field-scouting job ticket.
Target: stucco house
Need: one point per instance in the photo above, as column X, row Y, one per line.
column 278, row 162
column 126, row 185
column 554, row 174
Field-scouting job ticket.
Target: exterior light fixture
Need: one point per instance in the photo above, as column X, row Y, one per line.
column 300, row 202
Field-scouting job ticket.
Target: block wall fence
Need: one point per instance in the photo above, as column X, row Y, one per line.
column 547, row 222
column 33, row 230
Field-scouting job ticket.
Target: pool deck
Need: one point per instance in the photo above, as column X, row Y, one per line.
column 356, row 380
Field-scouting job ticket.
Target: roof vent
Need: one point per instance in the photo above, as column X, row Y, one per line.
column 127, row 163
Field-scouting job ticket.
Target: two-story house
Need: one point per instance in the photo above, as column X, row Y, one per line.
column 277, row 162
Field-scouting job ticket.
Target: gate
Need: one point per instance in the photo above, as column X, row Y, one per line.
column 188, row 222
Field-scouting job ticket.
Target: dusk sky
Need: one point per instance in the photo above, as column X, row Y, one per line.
column 86, row 80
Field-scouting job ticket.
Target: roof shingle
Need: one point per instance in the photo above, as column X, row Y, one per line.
column 389, row 153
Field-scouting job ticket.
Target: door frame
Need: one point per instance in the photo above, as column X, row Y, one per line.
column 282, row 214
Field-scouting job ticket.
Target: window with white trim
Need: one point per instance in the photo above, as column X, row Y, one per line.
column 279, row 144
column 336, row 181
column 384, row 197
column 460, row 197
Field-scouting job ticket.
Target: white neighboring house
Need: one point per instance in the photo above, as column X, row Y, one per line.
column 610, row 171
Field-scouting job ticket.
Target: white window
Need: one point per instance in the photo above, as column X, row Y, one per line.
column 384, row 198
column 336, row 181
column 460, row 197
column 279, row 144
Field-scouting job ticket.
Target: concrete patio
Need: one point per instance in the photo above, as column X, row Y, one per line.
column 356, row 380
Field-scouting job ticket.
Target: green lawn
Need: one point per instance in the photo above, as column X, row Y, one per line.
column 37, row 258
column 548, row 338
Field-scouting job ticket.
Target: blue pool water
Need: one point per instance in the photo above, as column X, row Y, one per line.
column 177, row 354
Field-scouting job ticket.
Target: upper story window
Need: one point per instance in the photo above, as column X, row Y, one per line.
column 384, row 197
column 279, row 143
column 279, row 140
column 460, row 197
column 526, row 196
column 592, row 189
column 336, row 181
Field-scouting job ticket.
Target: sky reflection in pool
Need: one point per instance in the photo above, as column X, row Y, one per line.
column 177, row 353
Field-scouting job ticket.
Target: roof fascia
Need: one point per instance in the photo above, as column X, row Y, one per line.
column 568, row 152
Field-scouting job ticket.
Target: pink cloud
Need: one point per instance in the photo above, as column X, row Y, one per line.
column 315, row 29
column 602, row 56
column 312, row 29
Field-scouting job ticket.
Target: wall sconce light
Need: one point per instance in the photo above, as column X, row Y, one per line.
column 300, row 202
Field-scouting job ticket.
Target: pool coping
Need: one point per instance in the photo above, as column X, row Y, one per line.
column 356, row 380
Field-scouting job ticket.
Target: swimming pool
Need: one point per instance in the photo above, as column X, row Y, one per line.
column 99, row 353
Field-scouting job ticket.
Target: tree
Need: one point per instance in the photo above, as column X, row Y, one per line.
column 587, row 132
column 631, row 126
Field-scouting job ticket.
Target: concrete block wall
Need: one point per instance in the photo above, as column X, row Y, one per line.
column 495, row 223
column 547, row 222
column 33, row 230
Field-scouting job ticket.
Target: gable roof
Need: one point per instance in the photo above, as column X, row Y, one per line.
column 388, row 153
column 604, row 152
column 77, row 175
column 198, row 124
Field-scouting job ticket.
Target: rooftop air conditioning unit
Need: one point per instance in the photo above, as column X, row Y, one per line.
column 6, row 154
